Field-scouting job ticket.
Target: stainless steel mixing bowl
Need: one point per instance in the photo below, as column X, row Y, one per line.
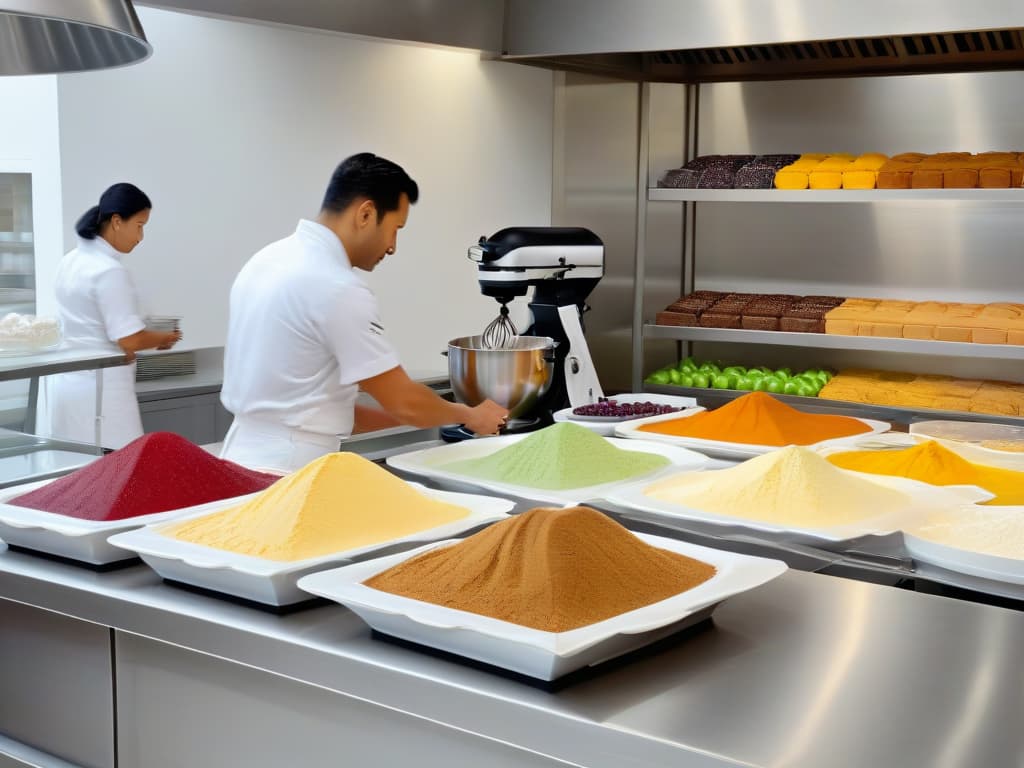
column 514, row 378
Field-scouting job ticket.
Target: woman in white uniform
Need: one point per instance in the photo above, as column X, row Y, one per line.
column 97, row 304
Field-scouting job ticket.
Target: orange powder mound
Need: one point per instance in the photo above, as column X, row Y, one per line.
column 549, row 569
column 760, row 419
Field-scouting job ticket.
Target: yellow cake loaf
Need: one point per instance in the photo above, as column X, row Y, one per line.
column 863, row 172
column 794, row 175
column 828, row 174
column 926, row 391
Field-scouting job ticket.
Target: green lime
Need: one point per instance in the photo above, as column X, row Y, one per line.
column 774, row 385
column 791, row 387
column 807, row 390
column 701, row 379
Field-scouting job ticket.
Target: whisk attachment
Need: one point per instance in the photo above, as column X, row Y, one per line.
column 501, row 332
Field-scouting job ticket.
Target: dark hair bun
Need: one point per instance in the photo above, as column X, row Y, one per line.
column 88, row 225
column 123, row 199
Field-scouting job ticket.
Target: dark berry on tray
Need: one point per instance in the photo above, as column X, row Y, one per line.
column 614, row 409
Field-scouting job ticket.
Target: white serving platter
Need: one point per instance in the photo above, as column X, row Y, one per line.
column 606, row 425
column 272, row 582
column 720, row 448
column 959, row 559
column 532, row 652
column 429, row 462
column 924, row 499
column 77, row 539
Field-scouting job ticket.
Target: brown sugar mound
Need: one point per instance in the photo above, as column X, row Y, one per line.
column 548, row 569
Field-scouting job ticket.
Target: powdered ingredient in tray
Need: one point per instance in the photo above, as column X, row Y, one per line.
column 759, row 419
column 793, row 486
column 155, row 473
column 559, row 457
column 997, row 531
column 338, row 502
column 932, row 463
column 549, row 569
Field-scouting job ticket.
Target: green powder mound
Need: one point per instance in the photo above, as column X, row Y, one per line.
column 558, row 458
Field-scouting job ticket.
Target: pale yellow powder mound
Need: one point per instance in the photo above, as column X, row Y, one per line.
column 995, row 531
column 793, row 486
column 338, row 502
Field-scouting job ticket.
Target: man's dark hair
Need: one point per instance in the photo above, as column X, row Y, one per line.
column 372, row 177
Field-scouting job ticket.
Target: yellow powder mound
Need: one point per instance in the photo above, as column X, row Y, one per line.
column 336, row 503
column 792, row 486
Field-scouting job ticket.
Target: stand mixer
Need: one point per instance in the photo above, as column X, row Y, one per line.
column 562, row 265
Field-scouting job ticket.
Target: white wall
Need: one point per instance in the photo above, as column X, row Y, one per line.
column 233, row 129
column 29, row 143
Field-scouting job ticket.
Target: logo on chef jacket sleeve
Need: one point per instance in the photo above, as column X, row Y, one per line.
column 377, row 328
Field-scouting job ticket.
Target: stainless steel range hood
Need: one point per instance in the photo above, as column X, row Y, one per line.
column 43, row 37
column 717, row 40
column 969, row 51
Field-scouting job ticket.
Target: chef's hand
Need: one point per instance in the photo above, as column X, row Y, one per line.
column 172, row 338
column 487, row 418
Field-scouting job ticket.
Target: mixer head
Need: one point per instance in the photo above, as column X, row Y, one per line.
column 567, row 260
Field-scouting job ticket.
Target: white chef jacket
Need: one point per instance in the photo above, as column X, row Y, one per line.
column 97, row 304
column 303, row 331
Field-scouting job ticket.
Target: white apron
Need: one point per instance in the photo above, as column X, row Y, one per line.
column 71, row 407
column 260, row 444
column 96, row 302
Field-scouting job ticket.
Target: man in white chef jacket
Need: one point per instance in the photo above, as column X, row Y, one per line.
column 304, row 333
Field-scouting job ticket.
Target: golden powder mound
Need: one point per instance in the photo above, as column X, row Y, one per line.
column 338, row 502
column 932, row 463
column 549, row 569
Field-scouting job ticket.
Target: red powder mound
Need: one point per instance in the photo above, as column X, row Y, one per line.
column 158, row 472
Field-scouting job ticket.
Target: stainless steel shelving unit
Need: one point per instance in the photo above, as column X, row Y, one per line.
column 692, row 200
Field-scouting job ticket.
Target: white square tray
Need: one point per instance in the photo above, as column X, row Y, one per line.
column 721, row 448
column 532, row 652
column 428, row 462
column 924, row 498
column 273, row 581
column 74, row 538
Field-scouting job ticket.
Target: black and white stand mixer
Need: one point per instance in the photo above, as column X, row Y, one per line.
column 562, row 265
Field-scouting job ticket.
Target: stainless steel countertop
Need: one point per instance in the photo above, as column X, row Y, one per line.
column 59, row 361
column 809, row 670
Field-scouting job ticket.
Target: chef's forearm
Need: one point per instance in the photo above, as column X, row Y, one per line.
column 422, row 407
column 146, row 340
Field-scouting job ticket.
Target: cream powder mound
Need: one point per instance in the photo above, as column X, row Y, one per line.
column 792, row 486
column 995, row 531
column 335, row 503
